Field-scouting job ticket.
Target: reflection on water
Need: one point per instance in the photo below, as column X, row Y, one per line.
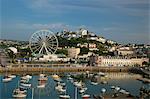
column 49, row 92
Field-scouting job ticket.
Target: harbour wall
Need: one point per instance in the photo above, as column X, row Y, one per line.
column 63, row 69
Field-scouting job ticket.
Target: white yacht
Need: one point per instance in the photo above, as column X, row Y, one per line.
column 12, row 76
column 117, row 88
column 85, row 96
column 41, row 86
column 56, row 77
column 43, row 77
column 26, row 84
column 103, row 90
column 60, row 88
column 94, row 83
column 78, row 84
column 82, row 90
column 18, row 90
column 18, row 94
column 7, row 79
column 64, row 96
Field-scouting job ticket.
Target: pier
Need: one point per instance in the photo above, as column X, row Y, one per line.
column 123, row 75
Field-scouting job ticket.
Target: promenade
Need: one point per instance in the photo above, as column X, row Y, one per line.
column 60, row 68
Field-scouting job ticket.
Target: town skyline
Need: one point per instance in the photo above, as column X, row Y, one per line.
column 118, row 20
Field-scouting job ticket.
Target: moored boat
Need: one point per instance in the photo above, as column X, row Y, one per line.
column 41, row 86
column 82, row 90
column 85, row 96
column 26, row 77
column 124, row 91
column 6, row 79
column 78, row 84
column 117, row 88
column 104, row 82
column 103, row 90
column 43, row 77
column 64, row 96
column 94, row 83
column 60, row 88
column 19, row 90
column 56, row 77
column 112, row 87
column 26, row 84
column 12, row 76
column 19, row 95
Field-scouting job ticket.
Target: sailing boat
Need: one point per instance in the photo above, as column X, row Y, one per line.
column 43, row 77
column 94, row 80
column 65, row 96
column 6, row 78
column 85, row 96
column 25, row 82
column 19, row 92
column 12, row 76
column 60, row 87
column 42, row 81
column 56, row 78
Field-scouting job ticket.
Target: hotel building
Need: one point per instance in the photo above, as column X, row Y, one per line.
column 116, row 61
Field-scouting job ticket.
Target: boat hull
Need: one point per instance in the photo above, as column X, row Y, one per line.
column 7, row 79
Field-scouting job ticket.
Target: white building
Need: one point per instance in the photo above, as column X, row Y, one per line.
column 53, row 57
column 92, row 38
column 125, row 51
column 92, row 46
column 73, row 52
column 84, row 56
column 111, row 42
column 101, row 39
column 72, row 34
column 84, row 32
column 112, row 49
column 118, row 61
column 82, row 45
column 13, row 49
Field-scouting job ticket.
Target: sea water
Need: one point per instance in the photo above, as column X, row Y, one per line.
column 49, row 92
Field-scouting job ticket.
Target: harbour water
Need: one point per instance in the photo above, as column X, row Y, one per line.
column 49, row 92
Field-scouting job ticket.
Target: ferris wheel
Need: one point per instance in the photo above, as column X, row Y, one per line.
column 43, row 42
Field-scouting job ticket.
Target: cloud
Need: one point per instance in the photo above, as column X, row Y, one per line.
column 130, row 7
column 39, row 3
column 87, row 3
column 40, row 26
column 56, row 27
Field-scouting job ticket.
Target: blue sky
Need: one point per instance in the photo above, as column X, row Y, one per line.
column 125, row 21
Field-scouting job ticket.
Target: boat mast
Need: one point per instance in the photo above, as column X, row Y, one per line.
column 32, row 92
column 76, row 93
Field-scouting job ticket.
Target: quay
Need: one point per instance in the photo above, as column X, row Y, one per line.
column 145, row 80
column 59, row 68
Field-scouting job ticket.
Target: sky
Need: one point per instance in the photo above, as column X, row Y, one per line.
column 124, row 21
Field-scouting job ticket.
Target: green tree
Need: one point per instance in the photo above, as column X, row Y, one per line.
column 84, row 50
column 62, row 41
column 62, row 51
column 11, row 55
